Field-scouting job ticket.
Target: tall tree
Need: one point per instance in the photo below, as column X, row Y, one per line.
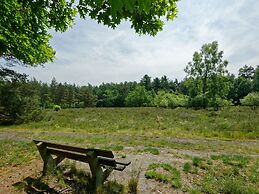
column 25, row 24
column 256, row 79
column 164, row 83
column 156, row 84
column 208, row 70
column 146, row 81
column 18, row 99
column 246, row 72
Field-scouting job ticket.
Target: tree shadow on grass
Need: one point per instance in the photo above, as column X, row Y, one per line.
column 68, row 179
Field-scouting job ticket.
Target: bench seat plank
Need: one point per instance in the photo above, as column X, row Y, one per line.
column 106, row 161
column 69, row 155
column 99, row 152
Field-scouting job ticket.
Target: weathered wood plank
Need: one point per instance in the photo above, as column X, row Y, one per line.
column 69, row 155
column 99, row 152
column 106, row 161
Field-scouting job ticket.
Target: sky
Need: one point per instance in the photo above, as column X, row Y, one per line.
column 93, row 53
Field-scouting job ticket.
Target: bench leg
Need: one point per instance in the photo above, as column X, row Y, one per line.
column 49, row 163
column 98, row 175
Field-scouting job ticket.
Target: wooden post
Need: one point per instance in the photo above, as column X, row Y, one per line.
column 98, row 175
column 49, row 163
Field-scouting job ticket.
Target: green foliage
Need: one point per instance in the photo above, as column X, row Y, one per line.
column 146, row 82
column 251, row 99
column 218, row 102
column 171, row 100
column 239, row 88
column 206, row 73
column 139, row 97
column 199, row 101
column 56, row 107
column 246, row 72
column 19, row 101
column 171, row 175
column 24, row 25
column 256, row 79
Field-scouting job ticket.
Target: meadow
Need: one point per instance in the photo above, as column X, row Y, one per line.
column 180, row 150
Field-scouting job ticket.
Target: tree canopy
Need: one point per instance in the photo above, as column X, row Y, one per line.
column 25, row 24
column 207, row 72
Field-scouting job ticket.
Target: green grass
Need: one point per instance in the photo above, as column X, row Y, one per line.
column 235, row 160
column 187, row 167
column 218, row 177
column 13, row 153
column 151, row 150
column 171, row 174
column 196, row 161
column 228, row 123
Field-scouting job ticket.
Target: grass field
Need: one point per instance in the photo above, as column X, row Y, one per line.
column 181, row 144
column 228, row 123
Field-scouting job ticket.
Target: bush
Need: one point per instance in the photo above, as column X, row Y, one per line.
column 199, row 101
column 31, row 110
column 56, row 107
column 251, row 99
column 218, row 102
column 139, row 97
column 171, row 100
column 19, row 102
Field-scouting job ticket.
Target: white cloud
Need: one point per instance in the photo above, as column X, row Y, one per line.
column 92, row 53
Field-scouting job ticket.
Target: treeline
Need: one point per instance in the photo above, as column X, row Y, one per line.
column 207, row 84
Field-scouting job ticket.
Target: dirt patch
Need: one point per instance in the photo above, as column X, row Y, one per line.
column 14, row 174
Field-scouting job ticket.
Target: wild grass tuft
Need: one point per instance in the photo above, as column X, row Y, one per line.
column 151, row 150
column 171, row 174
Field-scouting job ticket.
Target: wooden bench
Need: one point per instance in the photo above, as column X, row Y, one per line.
column 101, row 162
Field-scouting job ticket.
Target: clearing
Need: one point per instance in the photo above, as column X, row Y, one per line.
column 172, row 151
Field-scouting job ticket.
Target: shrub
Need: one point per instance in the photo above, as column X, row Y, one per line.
column 218, row 102
column 251, row 99
column 199, row 101
column 139, row 97
column 56, row 107
column 171, row 100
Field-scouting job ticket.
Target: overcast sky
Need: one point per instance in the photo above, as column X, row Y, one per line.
column 93, row 53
